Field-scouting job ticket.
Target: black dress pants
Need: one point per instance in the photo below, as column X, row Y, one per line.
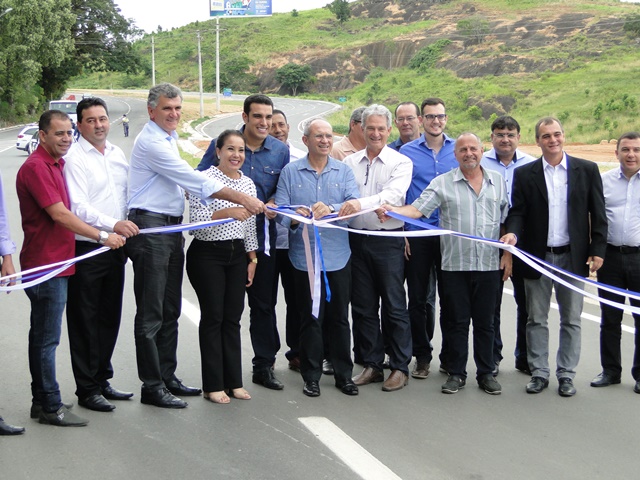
column 333, row 318
column 94, row 309
column 218, row 273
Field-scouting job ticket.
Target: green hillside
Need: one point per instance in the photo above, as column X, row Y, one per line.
column 578, row 60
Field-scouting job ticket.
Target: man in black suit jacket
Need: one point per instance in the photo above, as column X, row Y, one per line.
column 558, row 215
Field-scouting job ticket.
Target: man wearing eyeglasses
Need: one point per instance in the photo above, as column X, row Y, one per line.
column 432, row 154
column 383, row 176
column 505, row 158
column 408, row 120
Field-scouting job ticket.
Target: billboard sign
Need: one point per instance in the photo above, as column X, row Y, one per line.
column 240, row 8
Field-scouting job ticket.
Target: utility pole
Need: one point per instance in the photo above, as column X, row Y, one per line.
column 153, row 61
column 200, row 77
column 218, row 64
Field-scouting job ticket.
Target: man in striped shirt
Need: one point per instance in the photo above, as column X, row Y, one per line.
column 472, row 200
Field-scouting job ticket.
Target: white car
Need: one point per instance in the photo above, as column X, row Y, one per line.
column 24, row 137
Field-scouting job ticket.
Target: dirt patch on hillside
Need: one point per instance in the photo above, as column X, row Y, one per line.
column 604, row 154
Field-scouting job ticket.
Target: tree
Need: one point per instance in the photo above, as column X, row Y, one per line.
column 476, row 28
column 341, row 9
column 293, row 76
column 35, row 35
column 102, row 41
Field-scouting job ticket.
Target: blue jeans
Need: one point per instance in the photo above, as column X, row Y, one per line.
column 47, row 304
column 538, row 293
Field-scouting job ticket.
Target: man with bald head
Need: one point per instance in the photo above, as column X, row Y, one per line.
column 324, row 184
column 474, row 201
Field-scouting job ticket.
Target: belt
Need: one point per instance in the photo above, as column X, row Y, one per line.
column 559, row 250
column 168, row 219
column 624, row 249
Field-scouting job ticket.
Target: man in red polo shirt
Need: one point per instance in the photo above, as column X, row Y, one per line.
column 49, row 228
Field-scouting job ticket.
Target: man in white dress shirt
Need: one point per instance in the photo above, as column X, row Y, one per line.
column 621, row 188
column 96, row 173
column 383, row 176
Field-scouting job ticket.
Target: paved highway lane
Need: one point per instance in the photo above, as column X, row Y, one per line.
column 297, row 112
column 415, row 434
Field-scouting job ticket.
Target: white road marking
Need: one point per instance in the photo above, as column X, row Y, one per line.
column 348, row 450
column 586, row 316
column 191, row 311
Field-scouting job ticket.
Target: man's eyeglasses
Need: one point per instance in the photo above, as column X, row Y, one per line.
column 430, row 118
column 510, row 136
column 405, row 119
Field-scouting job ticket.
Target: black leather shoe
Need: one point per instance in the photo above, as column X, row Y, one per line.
column 348, row 388
column 37, row 408
column 111, row 393
column 327, row 367
column 636, row 387
column 311, row 389
column 537, row 384
column 179, row 389
column 566, row 388
column 604, row 380
column 266, row 378
column 161, row 398
column 97, row 403
column 62, row 418
column 6, row 429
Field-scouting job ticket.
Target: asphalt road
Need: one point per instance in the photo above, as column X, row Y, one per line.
column 414, row 434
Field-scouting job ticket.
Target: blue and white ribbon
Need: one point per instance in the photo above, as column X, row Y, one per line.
column 34, row 276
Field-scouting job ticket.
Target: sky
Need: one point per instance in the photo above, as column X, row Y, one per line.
column 169, row 13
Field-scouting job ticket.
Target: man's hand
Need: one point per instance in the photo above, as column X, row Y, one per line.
column 303, row 212
column 320, row 210
column 509, row 239
column 254, row 205
column 114, row 241
column 382, row 213
column 8, row 269
column 349, row 208
column 270, row 214
column 126, row 228
column 594, row 263
column 407, row 249
column 506, row 265
column 237, row 213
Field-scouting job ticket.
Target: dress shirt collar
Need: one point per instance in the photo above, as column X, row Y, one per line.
column 87, row 146
column 267, row 143
column 458, row 176
column 562, row 163
column 423, row 140
column 622, row 176
column 159, row 131
column 46, row 156
column 384, row 156
column 303, row 164
column 517, row 156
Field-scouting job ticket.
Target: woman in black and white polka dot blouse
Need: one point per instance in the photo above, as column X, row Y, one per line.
column 221, row 263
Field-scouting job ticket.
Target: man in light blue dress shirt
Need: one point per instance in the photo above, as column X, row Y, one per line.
column 323, row 184
column 621, row 187
column 505, row 158
column 157, row 180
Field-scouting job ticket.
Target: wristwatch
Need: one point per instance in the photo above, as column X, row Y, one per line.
column 331, row 209
column 104, row 236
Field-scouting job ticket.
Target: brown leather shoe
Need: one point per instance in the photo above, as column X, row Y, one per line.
column 368, row 375
column 395, row 381
column 421, row 371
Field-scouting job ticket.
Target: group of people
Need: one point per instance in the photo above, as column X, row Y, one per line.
column 88, row 196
